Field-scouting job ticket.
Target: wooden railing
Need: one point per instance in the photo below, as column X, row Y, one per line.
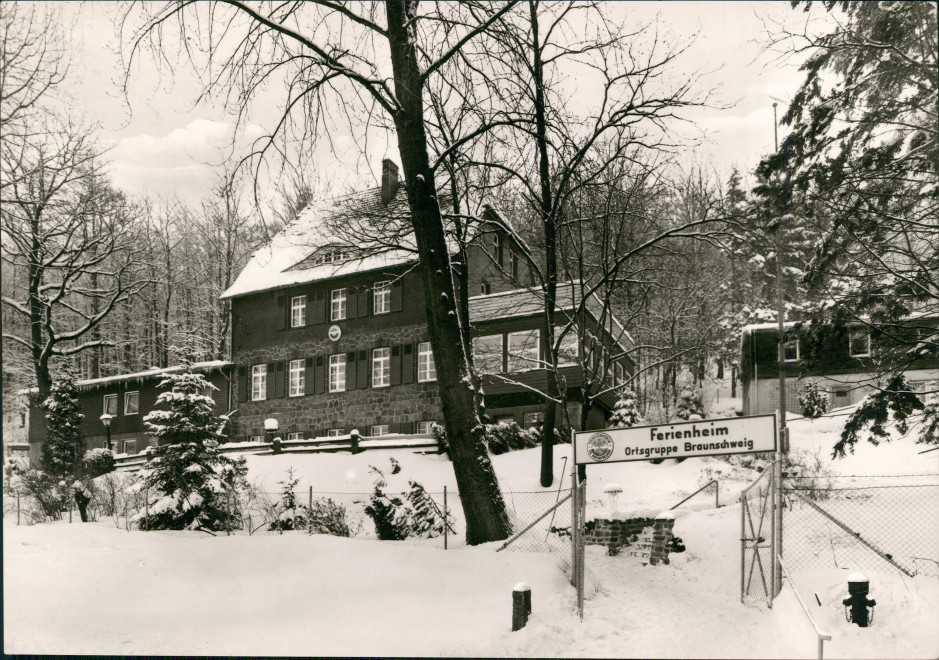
column 352, row 443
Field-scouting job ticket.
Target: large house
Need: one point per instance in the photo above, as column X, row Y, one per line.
column 329, row 333
column 845, row 365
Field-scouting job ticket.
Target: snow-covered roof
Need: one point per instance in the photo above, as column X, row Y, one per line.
column 767, row 326
column 332, row 223
column 530, row 302
column 152, row 373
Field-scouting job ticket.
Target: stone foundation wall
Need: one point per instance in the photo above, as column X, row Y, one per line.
column 631, row 532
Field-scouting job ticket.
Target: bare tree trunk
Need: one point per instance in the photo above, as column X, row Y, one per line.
column 487, row 519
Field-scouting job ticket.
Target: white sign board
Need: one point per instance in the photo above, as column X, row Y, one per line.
column 703, row 437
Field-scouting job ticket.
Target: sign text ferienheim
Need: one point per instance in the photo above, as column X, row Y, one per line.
column 704, row 437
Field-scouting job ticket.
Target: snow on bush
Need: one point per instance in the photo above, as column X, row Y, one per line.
column 98, row 461
column 626, row 411
column 813, row 400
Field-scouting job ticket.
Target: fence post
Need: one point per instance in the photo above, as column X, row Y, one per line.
column 146, row 504
column 521, row 605
column 69, row 510
column 228, row 513
column 446, row 525
column 354, row 441
column 309, row 512
column 17, row 508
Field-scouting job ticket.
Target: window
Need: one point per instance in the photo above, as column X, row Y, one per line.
column 297, row 378
column 426, row 371
column 130, row 446
column 619, row 374
column 337, row 373
column 332, row 257
column 257, row 438
column 523, row 350
column 338, row 305
column 131, row 403
column 926, row 390
column 381, row 298
column 381, row 367
column 485, row 289
column 512, row 268
column 423, row 428
column 567, row 351
column 110, row 404
column 295, row 436
column 298, row 311
column 378, row 429
column 531, row 419
column 487, row 354
column 791, row 350
column 859, row 344
column 334, row 433
column 259, row 382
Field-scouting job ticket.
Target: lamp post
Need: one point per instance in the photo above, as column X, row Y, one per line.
column 106, row 420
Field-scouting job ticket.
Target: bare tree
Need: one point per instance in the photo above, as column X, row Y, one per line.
column 328, row 53
column 74, row 277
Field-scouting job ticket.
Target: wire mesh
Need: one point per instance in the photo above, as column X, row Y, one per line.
column 888, row 522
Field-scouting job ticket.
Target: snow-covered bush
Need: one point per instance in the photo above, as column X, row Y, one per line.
column 290, row 514
column 626, row 411
column 809, row 474
column 508, row 436
column 188, row 484
column 329, row 517
column 390, row 514
column 427, row 519
column 47, row 492
column 64, row 443
column 813, row 400
column 689, row 405
column 98, row 461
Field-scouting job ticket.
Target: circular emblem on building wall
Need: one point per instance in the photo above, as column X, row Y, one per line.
column 334, row 332
column 600, row 446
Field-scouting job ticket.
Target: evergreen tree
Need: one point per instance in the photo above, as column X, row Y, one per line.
column 690, row 406
column 813, row 401
column 626, row 411
column 291, row 514
column 187, row 480
column 64, row 448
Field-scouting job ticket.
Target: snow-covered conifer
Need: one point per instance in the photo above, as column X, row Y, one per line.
column 813, row 401
column 689, row 405
column 187, row 481
column 64, row 446
column 626, row 411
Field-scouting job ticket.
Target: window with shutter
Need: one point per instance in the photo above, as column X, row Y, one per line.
column 259, row 382
column 426, row 370
column 381, row 367
column 381, row 298
column 337, row 373
column 297, row 378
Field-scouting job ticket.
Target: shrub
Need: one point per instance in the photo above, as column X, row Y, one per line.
column 689, row 405
column 98, row 462
column 389, row 514
column 290, row 514
column 626, row 411
column 809, row 474
column 329, row 517
column 50, row 495
column 813, row 401
column 427, row 519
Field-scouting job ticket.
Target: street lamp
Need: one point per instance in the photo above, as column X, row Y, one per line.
column 106, row 420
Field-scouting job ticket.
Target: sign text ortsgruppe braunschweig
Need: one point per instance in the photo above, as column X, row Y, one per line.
column 703, row 437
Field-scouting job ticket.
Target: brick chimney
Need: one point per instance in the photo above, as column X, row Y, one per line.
column 389, row 181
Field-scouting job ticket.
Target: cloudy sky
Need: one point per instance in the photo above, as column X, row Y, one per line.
column 160, row 143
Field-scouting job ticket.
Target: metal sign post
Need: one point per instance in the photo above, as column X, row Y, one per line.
column 703, row 437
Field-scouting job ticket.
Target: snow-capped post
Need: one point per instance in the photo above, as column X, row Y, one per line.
column 17, row 508
column 310, row 511
column 662, row 537
column 858, row 588
column 446, row 527
column 270, row 430
column 354, row 441
column 521, row 605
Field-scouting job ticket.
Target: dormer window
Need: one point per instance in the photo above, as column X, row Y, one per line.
column 332, row 256
column 485, row 289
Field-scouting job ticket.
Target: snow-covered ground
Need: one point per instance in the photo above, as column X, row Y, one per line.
column 98, row 589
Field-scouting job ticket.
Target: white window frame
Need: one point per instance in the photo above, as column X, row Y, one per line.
column 569, row 348
column 521, row 360
column 298, row 311
column 480, row 357
column 528, row 425
column 792, row 342
column 423, row 428
column 426, row 369
column 851, row 339
column 125, row 443
column 381, row 367
column 257, row 438
column 127, row 396
column 259, row 382
column 337, row 372
column 296, row 378
column 105, row 406
column 337, row 304
column 334, row 433
column 381, row 298
column 297, row 435
column 378, row 430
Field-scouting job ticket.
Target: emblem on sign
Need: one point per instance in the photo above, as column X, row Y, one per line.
column 334, row 332
column 600, row 446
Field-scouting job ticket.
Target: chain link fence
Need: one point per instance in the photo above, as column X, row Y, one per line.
column 884, row 522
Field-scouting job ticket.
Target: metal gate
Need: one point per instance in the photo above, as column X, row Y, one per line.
column 758, row 540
